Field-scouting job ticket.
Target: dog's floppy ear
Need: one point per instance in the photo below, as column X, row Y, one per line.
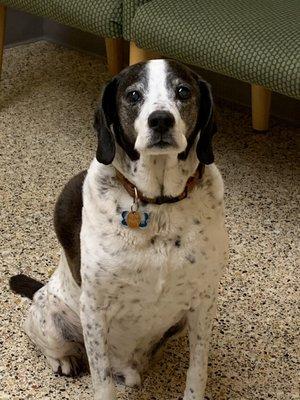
column 105, row 117
column 205, row 124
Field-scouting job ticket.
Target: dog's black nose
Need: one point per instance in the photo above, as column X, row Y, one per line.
column 161, row 121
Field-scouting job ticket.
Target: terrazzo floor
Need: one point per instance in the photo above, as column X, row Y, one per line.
column 48, row 95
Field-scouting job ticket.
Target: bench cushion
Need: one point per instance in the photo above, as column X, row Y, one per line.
column 101, row 17
column 129, row 10
column 256, row 41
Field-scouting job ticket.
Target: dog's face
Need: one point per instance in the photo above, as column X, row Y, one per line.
column 157, row 107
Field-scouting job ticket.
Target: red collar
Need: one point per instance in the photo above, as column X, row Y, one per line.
column 132, row 190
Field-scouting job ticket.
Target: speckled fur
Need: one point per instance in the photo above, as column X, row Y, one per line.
column 136, row 284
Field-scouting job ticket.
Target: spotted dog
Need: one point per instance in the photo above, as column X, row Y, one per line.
column 119, row 292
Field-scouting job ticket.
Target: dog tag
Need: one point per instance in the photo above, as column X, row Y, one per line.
column 134, row 219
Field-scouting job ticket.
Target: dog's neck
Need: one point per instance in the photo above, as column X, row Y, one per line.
column 159, row 175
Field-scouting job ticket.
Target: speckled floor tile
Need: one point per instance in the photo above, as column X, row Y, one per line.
column 48, row 95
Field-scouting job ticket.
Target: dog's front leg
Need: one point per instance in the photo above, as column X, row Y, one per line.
column 199, row 323
column 95, row 332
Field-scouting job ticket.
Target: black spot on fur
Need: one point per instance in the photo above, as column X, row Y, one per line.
column 191, row 258
column 135, row 301
column 67, row 222
column 178, row 243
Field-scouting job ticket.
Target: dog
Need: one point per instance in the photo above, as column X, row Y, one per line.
column 142, row 232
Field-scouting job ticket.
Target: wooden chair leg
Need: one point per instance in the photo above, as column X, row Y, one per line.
column 138, row 55
column 114, row 53
column 261, row 102
column 2, row 33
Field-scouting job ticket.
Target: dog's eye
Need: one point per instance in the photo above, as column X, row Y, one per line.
column 134, row 96
column 183, row 93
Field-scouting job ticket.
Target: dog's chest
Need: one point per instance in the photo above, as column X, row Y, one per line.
column 147, row 280
column 164, row 266
column 146, row 285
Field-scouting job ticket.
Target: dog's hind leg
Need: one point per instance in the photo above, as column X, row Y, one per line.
column 56, row 330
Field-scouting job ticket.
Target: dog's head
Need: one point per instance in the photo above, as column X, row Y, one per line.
column 157, row 107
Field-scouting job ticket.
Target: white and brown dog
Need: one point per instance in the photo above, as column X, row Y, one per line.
column 142, row 234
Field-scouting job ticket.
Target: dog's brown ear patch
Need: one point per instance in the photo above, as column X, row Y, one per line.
column 67, row 222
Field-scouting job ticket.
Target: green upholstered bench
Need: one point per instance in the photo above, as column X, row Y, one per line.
column 100, row 17
column 256, row 41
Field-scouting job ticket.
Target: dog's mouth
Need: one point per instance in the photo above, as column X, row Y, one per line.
column 162, row 141
column 161, row 145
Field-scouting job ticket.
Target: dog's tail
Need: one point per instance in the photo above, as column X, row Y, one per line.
column 24, row 285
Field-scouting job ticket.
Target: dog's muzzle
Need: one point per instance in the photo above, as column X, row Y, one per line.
column 161, row 124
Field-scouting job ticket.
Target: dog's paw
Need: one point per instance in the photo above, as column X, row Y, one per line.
column 66, row 366
column 128, row 377
column 132, row 377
